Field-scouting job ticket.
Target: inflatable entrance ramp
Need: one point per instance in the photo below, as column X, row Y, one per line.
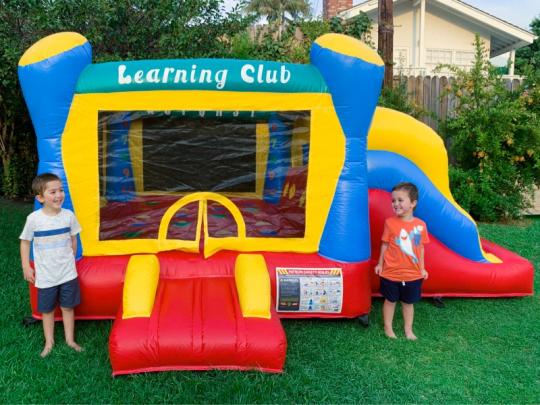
column 181, row 313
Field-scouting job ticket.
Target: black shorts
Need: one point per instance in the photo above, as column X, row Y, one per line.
column 408, row 292
column 67, row 294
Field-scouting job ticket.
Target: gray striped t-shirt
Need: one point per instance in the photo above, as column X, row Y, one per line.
column 53, row 256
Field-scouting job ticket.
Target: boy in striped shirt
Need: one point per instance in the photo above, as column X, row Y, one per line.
column 53, row 231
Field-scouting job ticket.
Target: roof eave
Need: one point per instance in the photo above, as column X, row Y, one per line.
column 493, row 24
column 500, row 51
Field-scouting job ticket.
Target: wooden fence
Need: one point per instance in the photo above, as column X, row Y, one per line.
column 426, row 91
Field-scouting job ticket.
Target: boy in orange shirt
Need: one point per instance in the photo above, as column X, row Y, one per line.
column 401, row 262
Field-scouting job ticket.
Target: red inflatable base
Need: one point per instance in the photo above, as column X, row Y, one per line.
column 196, row 323
column 102, row 279
column 450, row 275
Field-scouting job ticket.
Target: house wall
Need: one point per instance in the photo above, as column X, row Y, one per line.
column 447, row 39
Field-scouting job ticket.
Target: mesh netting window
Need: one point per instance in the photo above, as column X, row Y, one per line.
column 150, row 159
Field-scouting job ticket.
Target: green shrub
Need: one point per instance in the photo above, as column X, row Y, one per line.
column 486, row 196
column 495, row 142
column 358, row 26
column 117, row 30
column 398, row 99
column 18, row 168
column 287, row 46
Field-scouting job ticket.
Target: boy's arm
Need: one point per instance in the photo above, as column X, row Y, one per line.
column 75, row 230
column 378, row 267
column 28, row 271
column 74, row 245
column 425, row 239
column 422, row 267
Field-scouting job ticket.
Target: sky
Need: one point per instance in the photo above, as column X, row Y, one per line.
column 517, row 12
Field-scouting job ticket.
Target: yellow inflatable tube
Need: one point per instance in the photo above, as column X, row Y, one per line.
column 397, row 132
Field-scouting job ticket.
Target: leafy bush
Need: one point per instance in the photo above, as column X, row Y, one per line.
column 495, row 142
column 486, row 196
column 398, row 99
column 294, row 43
column 18, row 171
column 117, row 30
column 358, row 26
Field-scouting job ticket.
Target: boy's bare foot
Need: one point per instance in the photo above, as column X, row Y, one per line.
column 410, row 336
column 46, row 351
column 390, row 333
column 75, row 346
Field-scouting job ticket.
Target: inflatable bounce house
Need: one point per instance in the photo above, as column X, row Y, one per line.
column 217, row 196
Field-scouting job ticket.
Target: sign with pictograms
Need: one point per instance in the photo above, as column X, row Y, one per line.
column 309, row 289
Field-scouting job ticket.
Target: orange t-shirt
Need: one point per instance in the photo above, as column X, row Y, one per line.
column 401, row 261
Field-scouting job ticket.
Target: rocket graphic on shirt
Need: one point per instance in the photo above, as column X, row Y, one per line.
column 405, row 241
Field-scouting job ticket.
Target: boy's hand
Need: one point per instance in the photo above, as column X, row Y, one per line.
column 29, row 274
column 425, row 274
column 378, row 269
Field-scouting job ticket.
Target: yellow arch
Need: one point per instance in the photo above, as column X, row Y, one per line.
column 202, row 196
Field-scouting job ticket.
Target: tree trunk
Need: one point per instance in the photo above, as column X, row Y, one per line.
column 386, row 40
column 7, row 151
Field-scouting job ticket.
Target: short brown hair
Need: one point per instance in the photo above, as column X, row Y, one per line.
column 410, row 188
column 40, row 182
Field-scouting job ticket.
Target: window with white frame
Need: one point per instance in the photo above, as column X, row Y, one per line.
column 401, row 57
column 464, row 58
column 436, row 56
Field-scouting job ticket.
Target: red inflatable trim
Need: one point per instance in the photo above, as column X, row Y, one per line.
column 102, row 279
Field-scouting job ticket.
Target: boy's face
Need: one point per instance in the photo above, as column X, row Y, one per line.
column 402, row 205
column 53, row 195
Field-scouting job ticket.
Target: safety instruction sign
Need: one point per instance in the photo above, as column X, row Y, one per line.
column 309, row 289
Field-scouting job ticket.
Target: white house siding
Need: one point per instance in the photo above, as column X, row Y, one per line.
column 447, row 39
column 452, row 37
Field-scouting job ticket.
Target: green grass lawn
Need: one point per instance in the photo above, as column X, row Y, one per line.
column 472, row 351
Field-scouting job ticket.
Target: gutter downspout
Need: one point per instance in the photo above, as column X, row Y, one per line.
column 421, row 40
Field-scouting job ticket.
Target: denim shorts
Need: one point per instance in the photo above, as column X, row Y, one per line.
column 68, row 295
column 408, row 292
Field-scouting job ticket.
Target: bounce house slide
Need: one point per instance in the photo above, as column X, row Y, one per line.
column 217, row 196
column 458, row 261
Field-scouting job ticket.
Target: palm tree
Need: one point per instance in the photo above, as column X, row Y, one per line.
column 279, row 12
